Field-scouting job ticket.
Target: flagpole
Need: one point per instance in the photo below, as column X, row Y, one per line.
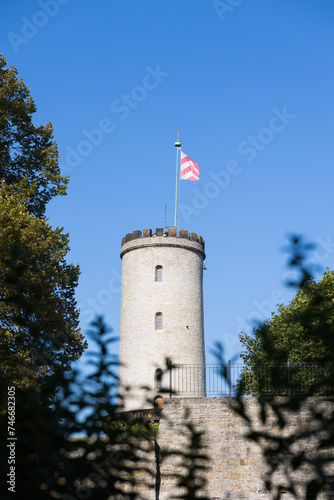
column 178, row 146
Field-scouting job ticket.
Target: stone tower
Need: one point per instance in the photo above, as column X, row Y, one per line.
column 161, row 315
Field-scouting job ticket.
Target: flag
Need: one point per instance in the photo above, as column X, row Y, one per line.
column 189, row 169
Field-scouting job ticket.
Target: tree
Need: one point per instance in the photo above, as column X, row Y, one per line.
column 293, row 332
column 28, row 154
column 39, row 333
column 38, row 317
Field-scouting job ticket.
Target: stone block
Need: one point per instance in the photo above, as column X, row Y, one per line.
column 136, row 235
column 159, row 231
column 147, row 233
column 183, row 234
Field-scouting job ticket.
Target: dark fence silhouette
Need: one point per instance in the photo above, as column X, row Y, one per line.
column 227, row 380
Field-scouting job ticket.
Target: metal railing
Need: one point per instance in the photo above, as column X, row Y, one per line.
column 226, row 380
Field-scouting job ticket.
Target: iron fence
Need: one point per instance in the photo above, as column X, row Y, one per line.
column 226, row 380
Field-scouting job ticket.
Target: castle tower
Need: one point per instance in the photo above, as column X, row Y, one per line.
column 161, row 315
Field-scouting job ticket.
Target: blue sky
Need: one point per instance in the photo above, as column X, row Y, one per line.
column 250, row 84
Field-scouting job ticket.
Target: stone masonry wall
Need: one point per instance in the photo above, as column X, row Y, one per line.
column 236, row 465
column 237, row 468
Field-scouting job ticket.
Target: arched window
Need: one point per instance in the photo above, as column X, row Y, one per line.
column 158, row 273
column 158, row 379
column 158, row 321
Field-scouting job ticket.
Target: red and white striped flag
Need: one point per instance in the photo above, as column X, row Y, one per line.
column 189, row 169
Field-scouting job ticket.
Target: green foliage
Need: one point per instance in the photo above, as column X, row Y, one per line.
column 39, row 332
column 49, row 462
column 299, row 331
column 139, row 428
column 28, row 154
column 285, row 379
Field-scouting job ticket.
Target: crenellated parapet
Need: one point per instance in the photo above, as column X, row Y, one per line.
column 161, row 233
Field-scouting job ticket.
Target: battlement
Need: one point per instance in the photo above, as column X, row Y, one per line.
column 160, row 232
